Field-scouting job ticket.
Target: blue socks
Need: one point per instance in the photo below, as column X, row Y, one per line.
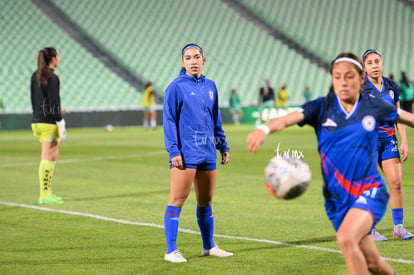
column 171, row 219
column 398, row 215
column 205, row 221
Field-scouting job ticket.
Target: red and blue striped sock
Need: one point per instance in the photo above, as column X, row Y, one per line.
column 205, row 222
column 397, row 215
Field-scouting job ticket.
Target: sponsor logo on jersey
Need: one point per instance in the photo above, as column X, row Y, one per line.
column 361, row 200
column 368, row 123
column 192, row 93
column 329, row 123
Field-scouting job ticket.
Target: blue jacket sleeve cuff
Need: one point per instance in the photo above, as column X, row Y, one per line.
column 174, row 154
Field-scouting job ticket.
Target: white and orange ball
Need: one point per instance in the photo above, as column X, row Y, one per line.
column 287, row 178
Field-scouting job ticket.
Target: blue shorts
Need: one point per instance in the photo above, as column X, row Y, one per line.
column 199, row 167
column 388, row 149
column 374, row 200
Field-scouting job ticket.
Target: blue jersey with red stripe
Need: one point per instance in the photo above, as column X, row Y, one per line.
column 389, row 93
column 347, row 145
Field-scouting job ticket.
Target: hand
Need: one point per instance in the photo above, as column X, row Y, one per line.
column 404, row 151
column 177, row 162
column 254, row 140
column 225, row 157
column 61, row 130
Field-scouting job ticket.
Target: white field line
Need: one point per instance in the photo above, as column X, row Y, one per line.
column 186, row 230
column 35, row 163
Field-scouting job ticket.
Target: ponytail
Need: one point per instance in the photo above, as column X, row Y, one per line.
column 43, row 61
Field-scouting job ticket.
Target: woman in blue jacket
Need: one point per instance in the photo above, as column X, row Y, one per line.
column 192, row 134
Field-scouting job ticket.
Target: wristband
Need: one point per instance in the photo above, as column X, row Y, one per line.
column 264, row 128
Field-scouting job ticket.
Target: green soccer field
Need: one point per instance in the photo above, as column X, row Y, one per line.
column 116, row 187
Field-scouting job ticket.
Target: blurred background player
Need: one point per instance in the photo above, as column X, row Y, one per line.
column 346, row 124
column 388, row 154
column 192, row 134
column 266, row 100
column 407, row 91
column 148, row 102
column 307, row 94
column 235, row 106
column 282, row 98
column 47, row 123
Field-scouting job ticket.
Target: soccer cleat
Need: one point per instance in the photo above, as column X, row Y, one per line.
column 377, row 237
column 215, row 251
column 175, row 257
column 400, row 233
column 52, row 199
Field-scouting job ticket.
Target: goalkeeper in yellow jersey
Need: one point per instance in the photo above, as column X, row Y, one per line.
column 282, row 99
column 148, row 102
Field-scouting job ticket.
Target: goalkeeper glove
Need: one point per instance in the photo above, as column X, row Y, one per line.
column 62, row 130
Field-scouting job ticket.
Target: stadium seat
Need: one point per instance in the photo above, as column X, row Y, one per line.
column 239, row 54
column 146, row 37
column 79, row 72
column 383, row 25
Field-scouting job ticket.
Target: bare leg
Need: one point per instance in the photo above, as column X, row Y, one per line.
column 153, row 119
column 358, row 249
column 376, row 264
column 50, row 150
column 180, row 185
column 393, row 173
column 205, row 182
column 146, row 118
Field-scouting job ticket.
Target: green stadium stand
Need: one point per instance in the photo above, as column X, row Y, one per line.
column 147, row 36
column 85, row 83
column 328, row 27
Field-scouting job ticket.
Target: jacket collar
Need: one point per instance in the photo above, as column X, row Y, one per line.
column 183, row 74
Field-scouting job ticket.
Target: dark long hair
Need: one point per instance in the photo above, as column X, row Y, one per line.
column 43, row 60
column 352, row 56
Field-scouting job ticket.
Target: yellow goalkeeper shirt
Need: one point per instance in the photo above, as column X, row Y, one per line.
column 148, row 97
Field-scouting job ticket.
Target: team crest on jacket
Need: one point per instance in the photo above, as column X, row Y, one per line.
column 211, row 94
column 368, row 123
column 391, row 92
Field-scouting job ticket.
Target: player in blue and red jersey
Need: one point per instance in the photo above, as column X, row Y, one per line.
column 346, row 124
column 388, row 153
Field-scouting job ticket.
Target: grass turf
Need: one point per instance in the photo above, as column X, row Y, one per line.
column 124, row 175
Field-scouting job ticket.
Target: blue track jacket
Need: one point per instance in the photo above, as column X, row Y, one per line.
column 192, row 120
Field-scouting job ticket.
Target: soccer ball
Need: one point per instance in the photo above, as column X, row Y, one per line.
column 287, row 178
column 108, row 128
